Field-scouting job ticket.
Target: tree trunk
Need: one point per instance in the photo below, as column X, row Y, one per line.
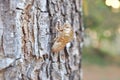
column 27, row 30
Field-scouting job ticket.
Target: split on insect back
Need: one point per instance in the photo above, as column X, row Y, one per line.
column 65, row 35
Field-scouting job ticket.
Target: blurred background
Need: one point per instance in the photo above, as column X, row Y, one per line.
column 101, row 52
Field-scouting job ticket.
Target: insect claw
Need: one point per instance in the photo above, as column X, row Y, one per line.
column 59, row 28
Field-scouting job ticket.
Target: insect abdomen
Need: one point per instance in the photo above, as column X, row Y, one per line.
column 58, row 46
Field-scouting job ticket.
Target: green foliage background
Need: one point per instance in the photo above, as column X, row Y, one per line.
column 104, row 21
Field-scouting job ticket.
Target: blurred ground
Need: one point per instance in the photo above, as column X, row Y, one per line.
column 95, row 72
column 98, row 66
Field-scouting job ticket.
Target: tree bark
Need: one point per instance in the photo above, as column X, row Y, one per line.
column 27, row 30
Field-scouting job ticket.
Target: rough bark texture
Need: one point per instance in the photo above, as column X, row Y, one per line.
column 27, row 30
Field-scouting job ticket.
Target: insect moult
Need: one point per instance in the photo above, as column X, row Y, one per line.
column 65, row 35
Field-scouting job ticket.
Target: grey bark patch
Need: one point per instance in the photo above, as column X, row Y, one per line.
column 6, row 62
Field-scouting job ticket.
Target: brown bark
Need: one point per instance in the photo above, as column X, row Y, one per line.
column 27, row 30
